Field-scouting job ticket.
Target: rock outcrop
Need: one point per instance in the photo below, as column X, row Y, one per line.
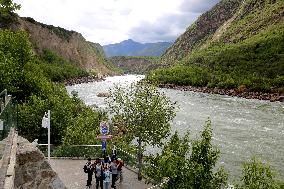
column 32, row 171
column 71, row 45
column 206, row 25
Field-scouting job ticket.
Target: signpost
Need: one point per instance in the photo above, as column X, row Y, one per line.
column 46, row 124
column 104, row 130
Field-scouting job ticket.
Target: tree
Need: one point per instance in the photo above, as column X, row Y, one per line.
column 257, row 175
column 189, row 167
column 172, row 163
column 145, row 113
column 7, row 15
column 203, row 159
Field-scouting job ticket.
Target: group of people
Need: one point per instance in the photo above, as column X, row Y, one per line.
column 107, row 171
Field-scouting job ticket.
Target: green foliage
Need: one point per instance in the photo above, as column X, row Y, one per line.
column 15, row 54
column 84, row 129
column 254, row 17
column 144, row 112
column 257, row 175
column 58, row 69
column 135, row 64
column 23, row 75
column 194, row 171
column 77, row 151
column 7, row 15
column 202, row 161
column 256, row 63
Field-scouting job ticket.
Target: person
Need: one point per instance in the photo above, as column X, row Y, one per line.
column 89, row 169
column 98, row 174
column 106, row 177
column 106, row 160
column 120, row 164
column 113, row 168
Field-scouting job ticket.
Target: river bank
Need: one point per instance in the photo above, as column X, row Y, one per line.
column 81, row 80
column 242, row 93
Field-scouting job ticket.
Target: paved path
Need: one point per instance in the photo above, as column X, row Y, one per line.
column 72, row 174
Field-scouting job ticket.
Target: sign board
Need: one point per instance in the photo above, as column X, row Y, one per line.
column 1, row 125
column 104, row 143
column 104, row 128
column 104, row 137
column 45, row 122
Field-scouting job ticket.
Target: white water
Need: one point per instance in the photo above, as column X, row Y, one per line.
column 241, row 127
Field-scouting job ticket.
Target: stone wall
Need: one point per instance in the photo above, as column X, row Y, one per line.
column 23, row 166
column 32, row 171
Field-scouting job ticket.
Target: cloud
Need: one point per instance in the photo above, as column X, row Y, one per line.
column 166, row 28
column 170, row 26
column 111, row 21
column 197, row 6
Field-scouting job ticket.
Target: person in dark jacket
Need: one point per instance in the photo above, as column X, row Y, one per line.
column 89, row 169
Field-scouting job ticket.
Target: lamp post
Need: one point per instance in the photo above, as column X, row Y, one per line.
column 46, row 124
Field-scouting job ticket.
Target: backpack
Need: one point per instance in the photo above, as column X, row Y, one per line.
column 87, row 168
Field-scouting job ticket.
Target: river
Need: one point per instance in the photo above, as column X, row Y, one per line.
column 242, row 128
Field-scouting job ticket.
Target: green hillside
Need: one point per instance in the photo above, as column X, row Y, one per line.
column 247, row 50
column 135, row 64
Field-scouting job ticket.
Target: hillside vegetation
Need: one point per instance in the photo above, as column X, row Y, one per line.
column 246, row 50
column 29, row 79
column 135, row 64
column 70, row 45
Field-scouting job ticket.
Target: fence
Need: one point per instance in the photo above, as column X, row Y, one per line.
column 72, row 151
column 8, row 114
column 130, row 160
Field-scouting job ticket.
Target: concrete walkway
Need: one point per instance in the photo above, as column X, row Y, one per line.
column 72, row 174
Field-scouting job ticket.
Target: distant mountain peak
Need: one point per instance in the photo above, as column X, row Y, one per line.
column 130, row 47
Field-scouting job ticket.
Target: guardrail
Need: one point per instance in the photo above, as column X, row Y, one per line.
column 131, row 160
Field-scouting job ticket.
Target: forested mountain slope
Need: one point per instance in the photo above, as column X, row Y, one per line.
column 237, row 44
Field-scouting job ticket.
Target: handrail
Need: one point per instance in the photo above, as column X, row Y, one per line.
column 165, row 180
column 4, row 92
column 7, row 99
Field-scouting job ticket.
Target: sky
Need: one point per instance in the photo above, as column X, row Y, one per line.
column 112, row 21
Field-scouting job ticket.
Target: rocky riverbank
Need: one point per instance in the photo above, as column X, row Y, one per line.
column 242, row 92
column 81, row 80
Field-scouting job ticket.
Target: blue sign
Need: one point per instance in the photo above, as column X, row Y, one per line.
column 104, row 128
column 104, row 144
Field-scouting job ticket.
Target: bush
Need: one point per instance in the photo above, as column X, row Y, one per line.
column 257, row 175
column 189, row 169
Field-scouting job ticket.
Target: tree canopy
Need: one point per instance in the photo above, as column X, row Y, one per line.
column 144, row 112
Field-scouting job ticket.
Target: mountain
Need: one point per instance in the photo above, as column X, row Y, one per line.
column 70, row 45
column 237, row 44
column 135, row 64
column 132, row 48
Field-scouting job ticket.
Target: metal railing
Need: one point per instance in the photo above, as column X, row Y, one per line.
column 8, row 114
column 131, row 160
column 72, row 151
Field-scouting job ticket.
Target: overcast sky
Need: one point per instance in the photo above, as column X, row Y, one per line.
column 112, row 21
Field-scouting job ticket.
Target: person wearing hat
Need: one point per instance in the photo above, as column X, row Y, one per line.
column 120, row 163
